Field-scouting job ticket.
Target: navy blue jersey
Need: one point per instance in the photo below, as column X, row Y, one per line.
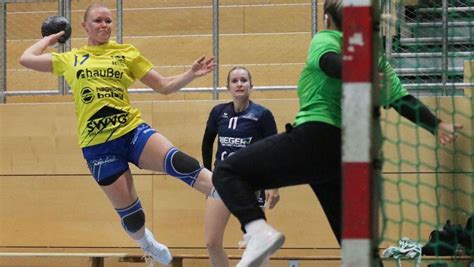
column 235, row 130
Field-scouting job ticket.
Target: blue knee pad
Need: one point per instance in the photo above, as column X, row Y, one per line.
column 182, row 166
column 132, row 217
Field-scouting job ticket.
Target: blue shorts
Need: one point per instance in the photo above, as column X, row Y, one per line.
column 109, row 160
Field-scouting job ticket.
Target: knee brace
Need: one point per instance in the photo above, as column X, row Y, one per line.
column 132, row 217
column 182, row 166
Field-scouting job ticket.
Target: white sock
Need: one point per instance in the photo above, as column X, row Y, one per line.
column 146, row 240
column 255, row 226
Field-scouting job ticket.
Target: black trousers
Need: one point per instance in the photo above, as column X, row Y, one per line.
column 308, row 154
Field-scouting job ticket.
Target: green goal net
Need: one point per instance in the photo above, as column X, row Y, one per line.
column 424, row 183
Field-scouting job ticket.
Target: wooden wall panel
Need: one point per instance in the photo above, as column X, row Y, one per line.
column 272, row 48
column 179, row 3
column 63, row 211
column 16, row 81
column 178, row 212
column 286, row 74
column 72, row 211
column 276, row 19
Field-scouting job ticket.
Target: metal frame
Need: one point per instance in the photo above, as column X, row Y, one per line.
column 119, row 22
column 3, row 49
column 64, row 9
column 444, row 74
column 444, row 25
column 314, row 17
column 388, row 29
column 215, row 48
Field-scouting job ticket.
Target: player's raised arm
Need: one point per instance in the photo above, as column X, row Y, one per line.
column 34, row 57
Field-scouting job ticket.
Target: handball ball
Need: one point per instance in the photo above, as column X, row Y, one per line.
column 55, row 24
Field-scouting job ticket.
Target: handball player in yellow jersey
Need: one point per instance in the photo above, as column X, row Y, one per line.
column 111, row 132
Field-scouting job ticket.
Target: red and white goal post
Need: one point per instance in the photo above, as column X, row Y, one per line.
column 360, row 137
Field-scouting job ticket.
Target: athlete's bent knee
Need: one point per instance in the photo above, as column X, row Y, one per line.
column 132, row 217
column 182, row 166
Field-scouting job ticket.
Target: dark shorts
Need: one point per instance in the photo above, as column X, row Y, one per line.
column 109, row 160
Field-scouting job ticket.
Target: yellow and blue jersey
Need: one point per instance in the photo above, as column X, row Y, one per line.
column 99, row 77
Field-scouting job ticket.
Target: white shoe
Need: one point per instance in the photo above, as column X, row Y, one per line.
column 259, row 247
column 159, row 252
column 266, row 261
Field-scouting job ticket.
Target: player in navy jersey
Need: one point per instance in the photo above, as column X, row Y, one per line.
column 237, row 124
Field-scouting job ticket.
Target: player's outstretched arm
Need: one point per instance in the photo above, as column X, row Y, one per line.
column 168, row 85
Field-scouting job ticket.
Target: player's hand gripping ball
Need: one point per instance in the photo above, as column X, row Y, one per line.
column 55, row 24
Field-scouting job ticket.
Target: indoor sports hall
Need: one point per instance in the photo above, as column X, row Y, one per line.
column 407, row 198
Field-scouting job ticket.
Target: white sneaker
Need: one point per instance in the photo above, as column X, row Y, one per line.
column 259, row 247
column 266, row 261
column 159, row 252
